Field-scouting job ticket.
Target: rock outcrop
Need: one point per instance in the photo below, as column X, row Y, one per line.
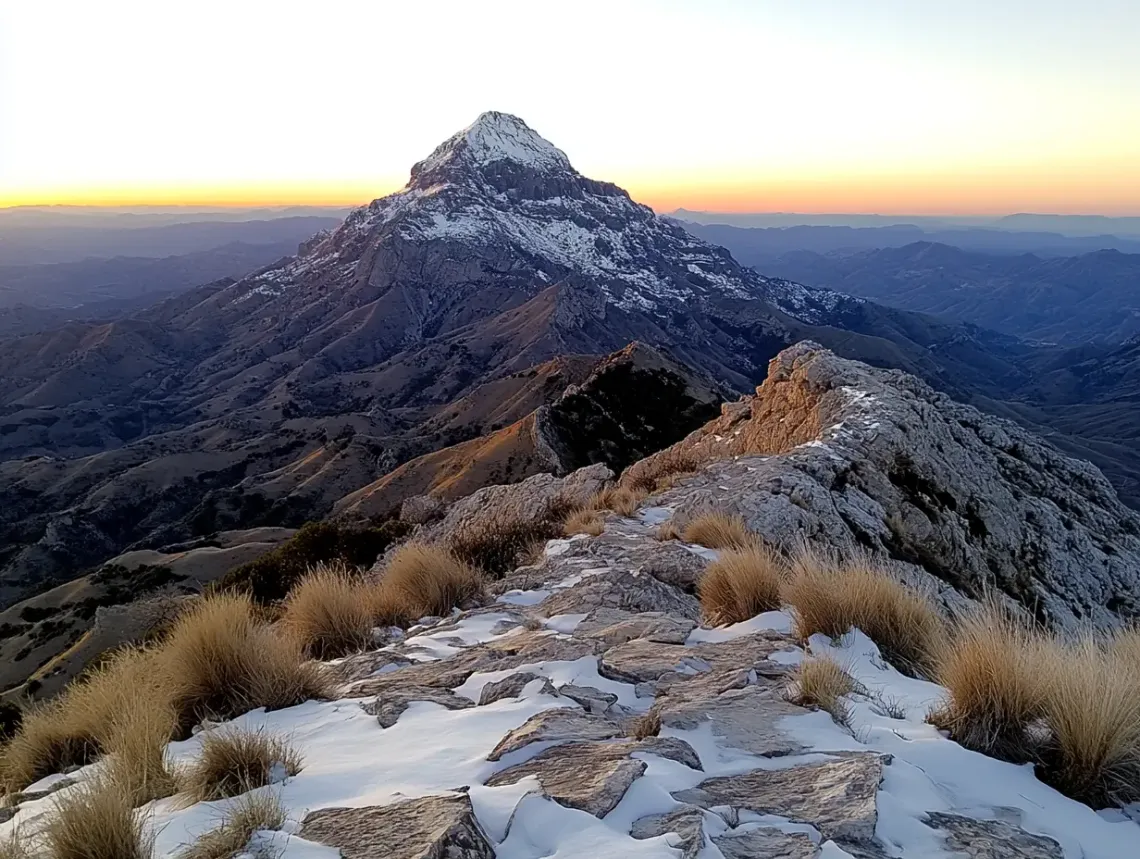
column 849, row 457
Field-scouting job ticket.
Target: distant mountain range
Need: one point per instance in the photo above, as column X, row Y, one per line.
column 1065, row 300
column 758, row 246
column 439, row 334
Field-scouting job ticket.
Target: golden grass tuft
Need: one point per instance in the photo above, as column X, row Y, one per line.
column 584, row 521
column 97, row 820
column 822, row 682
column 996, row 675
column 497, row 542
column 234, row 761
column 329, row 612
column 646, row 725
column 429, row 580
column 221, row 660
column 661, row 471
column 251, row 813
column 668, row 531
column 830, row 597
column 622, row 500
column 139, row 764
column 15, row 846
column 718, row 531
column 1092, row 709
column 741, row 584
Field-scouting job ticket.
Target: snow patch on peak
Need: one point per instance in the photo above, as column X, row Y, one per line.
column 496, row 137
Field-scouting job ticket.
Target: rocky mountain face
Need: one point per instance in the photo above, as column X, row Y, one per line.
column 265, row 401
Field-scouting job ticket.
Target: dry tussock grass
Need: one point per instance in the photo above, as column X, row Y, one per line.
column 251, row 813
column 741, row 584
column 822, row 682
column 234, row 761
column 14, row 846
column 830, row 597
column 996, row 675
column 426, row 579
column 137, row 745
column 329, row 612
column 96, row 820
column 668, row 531
column 221, row 660
column 1092, row 709
column 622, row 500
column 661, row 471
column 646, row 725
column 496, row 543
column 585, row 521
column 718, row 531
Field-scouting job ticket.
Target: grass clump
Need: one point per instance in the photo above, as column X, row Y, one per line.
column 585, row 521
column 660, row 472
column 329, row 612
column 270, row 577
column 97, row 820
column 234, row 761
column 622, row 500
column 821, row 682
column 831, row 597
column 646, row 725
column 1092, row 709
column 14, row 846
column 137, row 747
column 47, row 742
column 251, row 813
column 718, row 531
column 996, row 676
column 222, row 660
column 424, row 579
column 741, row 584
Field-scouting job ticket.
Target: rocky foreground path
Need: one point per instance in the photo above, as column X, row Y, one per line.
column 587, row 713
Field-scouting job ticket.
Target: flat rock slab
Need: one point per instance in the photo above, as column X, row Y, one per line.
column 591, row 699
column 593, row 777
column 512, row 686
column 554, row 726
column 836, row 797
column 653, row 626
column 686, row 823
column 992, row 839
column 642, row 661
column 431, row 827
column 620, row 589
column 391, row 702
column 767, row 844
column 745, row 719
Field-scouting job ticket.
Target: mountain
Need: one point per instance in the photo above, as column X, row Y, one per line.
column 1065, row 300
column 758, row 246
column 267, row 400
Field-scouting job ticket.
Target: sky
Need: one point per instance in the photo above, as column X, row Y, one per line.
column 891, row 106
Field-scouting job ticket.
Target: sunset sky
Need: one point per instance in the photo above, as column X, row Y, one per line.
column 893, row 106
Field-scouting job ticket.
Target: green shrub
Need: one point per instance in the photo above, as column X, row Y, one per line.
column 270, row 577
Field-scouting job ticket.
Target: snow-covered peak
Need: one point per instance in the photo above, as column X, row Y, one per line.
column 491, row 138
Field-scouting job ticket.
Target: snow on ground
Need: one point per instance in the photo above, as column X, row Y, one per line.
column 349, row 760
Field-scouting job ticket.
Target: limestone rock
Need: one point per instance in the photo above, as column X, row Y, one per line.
column 766, row 844
column 556, row 725
column 392, row 701
column 512, row 686
column 959, row 502
column 745, row 719
column 652, row 626
column 593, row 777
column 992, row 839
column 687, row 823
column 591, row 699
column 836, row 797
column 620, row 589
column 431, row 827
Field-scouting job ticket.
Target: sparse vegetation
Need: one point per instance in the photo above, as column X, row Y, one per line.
column 660, row 472
column 271, row 577
column 137, row 747
column 821, row 682
column 646, row 725
column 995, row 673
column 1092, row 709
column 14, row 846
column 622, row 500
column 234, row 761
column 427, row 580
column 829, row 597
column 740, row 585
column 668, row 531
column 97, row 820
column 249, row 814
column 585, row 521
column 718, row 531
column 329, row 612
column 222, row 660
